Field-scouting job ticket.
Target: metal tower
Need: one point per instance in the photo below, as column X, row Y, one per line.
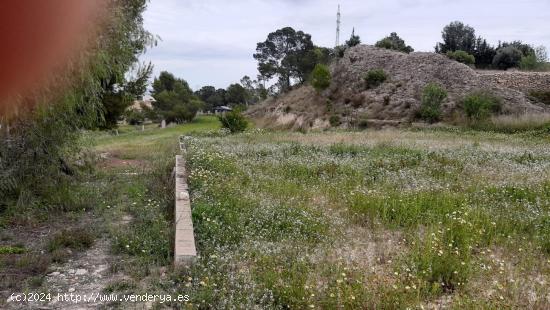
column 338, row 27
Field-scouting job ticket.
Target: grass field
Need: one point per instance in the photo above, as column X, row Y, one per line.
column 388, row 219
column 378, row 219
column 383, row 219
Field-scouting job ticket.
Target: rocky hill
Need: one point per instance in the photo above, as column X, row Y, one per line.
column 396, row 101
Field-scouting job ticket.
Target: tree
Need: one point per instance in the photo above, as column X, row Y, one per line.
column 353, row 40
column 320, row 77
column 35, row 153
column 117, row 98
column 457, row 36
column 236, row 94
column 285, row 55
column 535, row 60
column 433, row 96
column 255, row 90
column 211, row 97
column 507, row 57
column 164, row 82
column 175, row 101
column 541, row 53
column 220, row 96
column 525, row 49
column 484, row 53
column 394, row 42
column 529, row 63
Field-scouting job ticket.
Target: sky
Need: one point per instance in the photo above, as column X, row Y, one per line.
column 211, row 42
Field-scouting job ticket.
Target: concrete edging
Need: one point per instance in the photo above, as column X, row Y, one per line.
column 184, row 245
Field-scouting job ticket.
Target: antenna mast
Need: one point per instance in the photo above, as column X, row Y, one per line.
column 338, row 27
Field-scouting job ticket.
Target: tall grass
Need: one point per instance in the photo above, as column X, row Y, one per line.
column 515, row 123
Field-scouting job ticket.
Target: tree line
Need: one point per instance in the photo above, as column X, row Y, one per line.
column 289, row 57
column 458, row 37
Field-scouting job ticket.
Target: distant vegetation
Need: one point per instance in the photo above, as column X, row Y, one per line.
column 542, row 96
column 394, row 42
column 460, row 37
column 480, row 105
column 288, row 55
column 320, row 77
column 462, row 56
column 375, row 78
column 175, row 101
column 353, row 40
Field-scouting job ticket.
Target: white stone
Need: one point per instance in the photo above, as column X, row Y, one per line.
column 80, row 272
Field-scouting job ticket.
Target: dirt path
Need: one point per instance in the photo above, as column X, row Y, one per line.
column 86, row 276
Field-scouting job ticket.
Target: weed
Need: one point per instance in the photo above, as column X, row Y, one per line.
column 432, row 98
column 375, row 78
column 334, row 120
column 12, row 249
column 480, row 105
column 75, row 238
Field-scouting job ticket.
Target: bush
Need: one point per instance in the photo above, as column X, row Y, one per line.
column 507, row 57
column 339, row 51
column 76, row 239
column 7, row 249
column 542, row 96
column 394, row 42
column 462, row 57
column 320, row 77
column 334, row 120
column 234, row 121
column 363, row 122
column 480, row 105
column 432, row 98
column 530, row 63
column 134, row 117
column 375, row 77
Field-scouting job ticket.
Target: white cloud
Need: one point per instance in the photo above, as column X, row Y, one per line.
column 211, row 42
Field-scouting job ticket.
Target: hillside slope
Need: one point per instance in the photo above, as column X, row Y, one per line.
column 394, row 102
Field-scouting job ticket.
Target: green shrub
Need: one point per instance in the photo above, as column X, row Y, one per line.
column 76, row 239
column 334, row 120
column 234, row 121
column 394, row 42
column 542, row 96
column 363, row 122
column 340, row 51
column 507, row 57
column 134, row 117
column 529, row 63
column 7, row 249
column 462, row 57
column 320, row 77
column 375, row 78
column 480, row 105
column 432, row 98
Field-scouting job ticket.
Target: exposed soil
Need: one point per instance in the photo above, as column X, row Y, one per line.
column 110, row 161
